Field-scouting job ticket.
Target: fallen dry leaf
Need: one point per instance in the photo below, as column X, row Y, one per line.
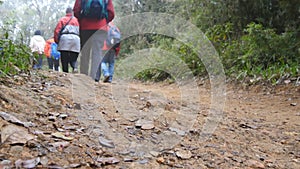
column 62, row 136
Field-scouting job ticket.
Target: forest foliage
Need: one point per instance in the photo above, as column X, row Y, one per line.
column 256, row 40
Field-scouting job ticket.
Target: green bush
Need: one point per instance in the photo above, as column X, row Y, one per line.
column 15, row 57
column 178, row 49
column 155, row 75
column 262, row 52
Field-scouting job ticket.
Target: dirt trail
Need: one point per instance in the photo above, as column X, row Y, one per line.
column 69, row 121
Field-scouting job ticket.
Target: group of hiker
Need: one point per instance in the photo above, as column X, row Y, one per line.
column 87, row 28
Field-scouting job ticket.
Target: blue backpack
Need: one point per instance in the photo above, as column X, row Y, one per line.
column 55, row 54
column 113, row 36
column 94, row 9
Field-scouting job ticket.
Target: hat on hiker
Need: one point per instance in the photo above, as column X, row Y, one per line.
column 69, row 10
column 37, row 32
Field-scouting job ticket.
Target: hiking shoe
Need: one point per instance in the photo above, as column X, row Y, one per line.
column 75, row 70
column 106, row 79
column 96, row 80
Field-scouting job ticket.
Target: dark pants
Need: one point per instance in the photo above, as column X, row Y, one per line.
column 39, row 63
column 91, row 51
column 52, row 62
column 67, row 58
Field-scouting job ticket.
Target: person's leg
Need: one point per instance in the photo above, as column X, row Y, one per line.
column 104, row 67
column 97, row 44
column 98, row 73
column 64, row 61
column 40, row 61
column 56, row 64
column 99, row 70
column 105, row 71
column 73, row 60
column 85, row 44
column 35, row 60
column 75, row 65
column 70, row 60
column 111, row 64
column 50, row 63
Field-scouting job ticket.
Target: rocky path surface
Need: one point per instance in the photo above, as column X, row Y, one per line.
column 55, row 120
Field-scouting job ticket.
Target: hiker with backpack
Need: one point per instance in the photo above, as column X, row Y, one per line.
column 111, row 49
column 93, row 16
column 52, row 54
column 66, row 35
column 37, row 45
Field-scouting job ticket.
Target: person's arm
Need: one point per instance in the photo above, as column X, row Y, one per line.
column 57, row 30
column 110, row 10
column 117, row 49
column 77, row 8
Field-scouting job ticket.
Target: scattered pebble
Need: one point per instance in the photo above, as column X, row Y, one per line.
column 183, row 154
column 179, row 132
column 27, row 163
column 154, row 153
column 293, row 104
column 144, row 161
column 108, row 160
column 128, row 160
column 255, row 164
column 160, row 160
column 106, row 143
column 148, row 126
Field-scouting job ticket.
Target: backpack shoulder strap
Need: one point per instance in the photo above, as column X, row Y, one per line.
column 63, row 27
column 104, row 8
column 83, row 4
column 69, row 21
